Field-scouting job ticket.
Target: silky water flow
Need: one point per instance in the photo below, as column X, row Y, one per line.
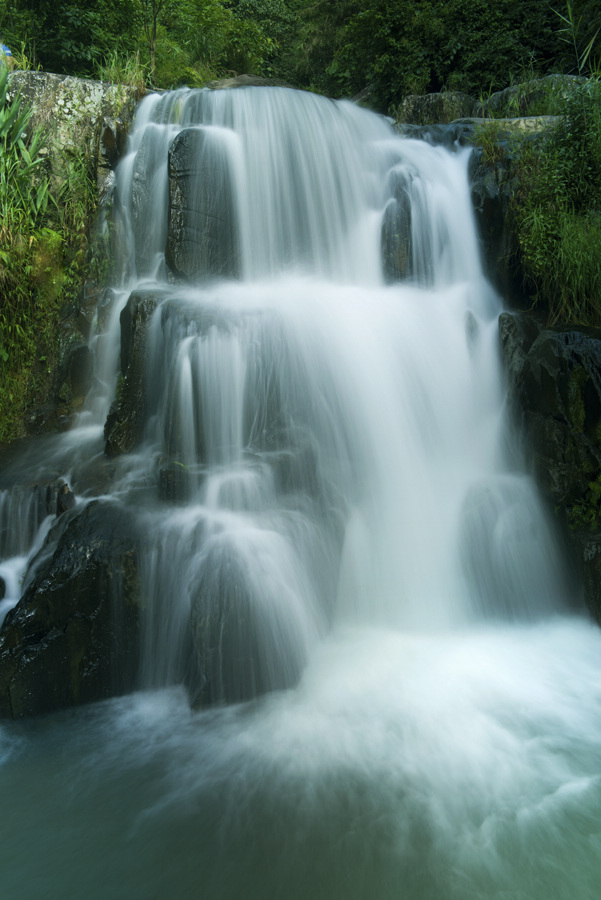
column 404, row 704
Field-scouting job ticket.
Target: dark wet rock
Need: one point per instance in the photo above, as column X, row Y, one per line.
column 177, row 482
column 493, row 185
column 125, row 423
column 74, row 636
column 554, row 380
column 295, row 470
column 104, row 308
column 244, row 646
column 202, row 238
column 449, row 135
column 2, row 588
column 396, row 232
column 23, row 508
column 427, row 109
column 65, row 500
column 590, row 547
column 114, row 131
column 241, row 81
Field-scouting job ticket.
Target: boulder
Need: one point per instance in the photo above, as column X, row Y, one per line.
column 177, row 482
column 74, row 636
column 429, row 109
column 554, row 379
column 241, row 81
column 80, row 117
column 201, row 237
column 125, row 423
column 247, row 638
column 590, row 547
column 396, row 232
column 554, row 388
column 492, row 184
column 530, row 98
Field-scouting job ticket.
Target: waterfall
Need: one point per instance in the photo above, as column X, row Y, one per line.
column 344, row 564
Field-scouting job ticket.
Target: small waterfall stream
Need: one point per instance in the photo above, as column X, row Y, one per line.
column 342, row 547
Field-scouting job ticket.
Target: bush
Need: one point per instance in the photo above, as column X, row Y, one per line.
column 557, row 210
column 43, row 255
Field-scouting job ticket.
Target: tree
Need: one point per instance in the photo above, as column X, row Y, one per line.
column 151, row 10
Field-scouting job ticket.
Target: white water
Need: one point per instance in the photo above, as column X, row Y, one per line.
column 351, row 467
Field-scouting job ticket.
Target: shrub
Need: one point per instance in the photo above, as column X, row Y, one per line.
column 43, row 245
column 557, row 210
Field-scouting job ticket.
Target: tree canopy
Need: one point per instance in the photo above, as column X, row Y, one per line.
column 338, row 47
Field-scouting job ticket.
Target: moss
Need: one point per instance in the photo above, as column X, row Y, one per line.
column 576, row 409
column 585, row 514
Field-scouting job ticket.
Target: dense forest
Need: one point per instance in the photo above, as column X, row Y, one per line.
column 338, row 47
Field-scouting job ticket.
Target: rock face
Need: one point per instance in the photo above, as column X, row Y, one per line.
column 74, row 636
column 202, row 235
column 125, row 423
column 554, row 384
column 555, row 378
column 492, row 187
column 242, row 649
column 396, row 233
column 430, row 109
column 82, row 118
column 85, row 125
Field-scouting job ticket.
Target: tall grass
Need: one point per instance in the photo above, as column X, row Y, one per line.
column 43, row 246
column 557, row 210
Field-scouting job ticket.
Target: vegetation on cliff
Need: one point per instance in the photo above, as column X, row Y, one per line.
column 29, row 254
column 43, row 253
column 557, row 210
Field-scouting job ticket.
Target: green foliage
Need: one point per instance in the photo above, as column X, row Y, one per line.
column 280, row 22
column 43, row 255
column 121, row 68
column 401, row 47
column 492, row 139
column 585, row 514
column 29, row 250
column 70, row 36
column 557, row 210
column 577, row 32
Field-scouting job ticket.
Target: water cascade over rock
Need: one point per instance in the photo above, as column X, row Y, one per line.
column 295, row 485
column 309, row 403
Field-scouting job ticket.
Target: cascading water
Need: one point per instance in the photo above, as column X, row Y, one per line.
column 348, row 518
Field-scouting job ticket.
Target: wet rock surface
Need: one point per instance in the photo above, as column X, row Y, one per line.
column 125, row 423
column 430, row 109
column 74, row 636
column 396, row 234
column 555, row 381
column 554, row 387
column 201, row 237
column 241, row 648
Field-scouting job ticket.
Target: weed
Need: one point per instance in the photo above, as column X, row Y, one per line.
column 557, row 209
column 125, row 69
